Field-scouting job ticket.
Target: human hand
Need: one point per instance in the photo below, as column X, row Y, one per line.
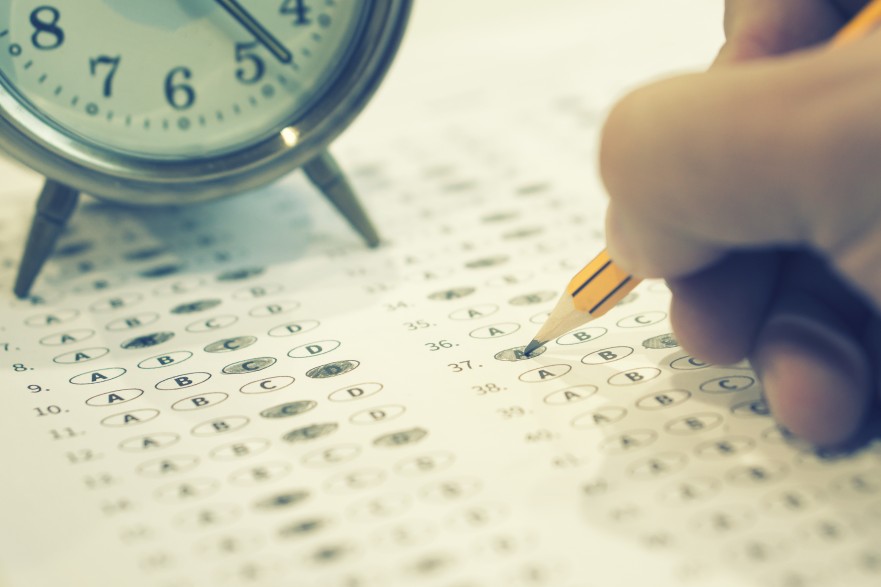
column 755, row 190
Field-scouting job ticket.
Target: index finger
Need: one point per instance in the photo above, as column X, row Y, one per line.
column 759, row 28
column 765, row 154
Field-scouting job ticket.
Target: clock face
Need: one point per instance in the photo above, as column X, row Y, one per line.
column 174, row 79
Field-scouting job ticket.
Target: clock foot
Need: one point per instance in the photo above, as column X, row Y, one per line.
column 54, row 207
column 327, row 176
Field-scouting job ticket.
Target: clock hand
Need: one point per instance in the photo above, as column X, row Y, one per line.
column 263, row 36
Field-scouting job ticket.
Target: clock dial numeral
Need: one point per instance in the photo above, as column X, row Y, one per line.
column 253, row 73
column 146, row 78
column 179, row 94
column 47, row 34
column 113, row 63
column 298, row 8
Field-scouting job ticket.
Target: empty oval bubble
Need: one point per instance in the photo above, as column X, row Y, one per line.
column 97, row 376
column 166, row 465
column 727, row 384
column 213, row 323
column 53, row 319
column 687, row 363
column 116, row 302
column 548, row 373
column 429, row 462
column 754, row 408
column 165, row 360
column 663, row 399
column 239, row 449
column 641, row 319
column 570, row 395
column 149, row 442
column 273, row 309
column 258, row 291
column 377, row 414
column 599, row 417
column 581, row 335
column 267, row 385
column 353, row 392
column 607, row 355
column 129, row 322
column 131, row 418
column 185, row 380
column 628, row 441
column 260, row 473
column 332, row 455
column 495, row 330
column 220, row 426
column 474, row 312
column 292, row 328
column 81, row 356
column 112, row 398
column 693, row 423
column 198, row 402
column 313, row 349
column 69, row 337
column 634, row 376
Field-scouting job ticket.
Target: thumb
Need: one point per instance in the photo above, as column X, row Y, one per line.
column 770, row 153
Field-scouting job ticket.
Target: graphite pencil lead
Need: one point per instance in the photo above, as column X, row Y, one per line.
column 533, row 346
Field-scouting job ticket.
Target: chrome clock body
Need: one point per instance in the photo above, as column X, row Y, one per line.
column 181, row 101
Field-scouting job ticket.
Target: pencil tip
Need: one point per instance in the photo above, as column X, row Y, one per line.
column 532, row 347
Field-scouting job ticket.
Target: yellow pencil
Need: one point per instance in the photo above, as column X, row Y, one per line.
column 601, row 284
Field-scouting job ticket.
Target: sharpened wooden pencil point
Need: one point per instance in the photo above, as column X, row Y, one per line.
column 592, row 292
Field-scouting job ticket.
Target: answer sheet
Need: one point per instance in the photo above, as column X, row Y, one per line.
column 241, row 394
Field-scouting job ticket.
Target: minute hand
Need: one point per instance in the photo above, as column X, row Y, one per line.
column 263, row 36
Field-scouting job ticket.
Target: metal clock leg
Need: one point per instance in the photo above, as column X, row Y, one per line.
column 54, row 207
column 327, row 176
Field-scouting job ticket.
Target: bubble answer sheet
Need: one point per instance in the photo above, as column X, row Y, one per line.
column 241, row 394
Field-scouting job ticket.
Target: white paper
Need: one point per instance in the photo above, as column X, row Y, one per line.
column 413, row 456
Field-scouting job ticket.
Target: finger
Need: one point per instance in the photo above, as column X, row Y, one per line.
column 809, row 356
column 716, row 313
column 850, row 7
column 873, row 347
column 744, row 157
column 758, row 28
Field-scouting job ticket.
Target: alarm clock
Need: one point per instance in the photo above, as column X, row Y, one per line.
column 181, row 101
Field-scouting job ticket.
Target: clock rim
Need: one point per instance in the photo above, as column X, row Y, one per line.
column 134, row 179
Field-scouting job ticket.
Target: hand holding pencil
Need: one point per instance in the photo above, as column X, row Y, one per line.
column 755, row 190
